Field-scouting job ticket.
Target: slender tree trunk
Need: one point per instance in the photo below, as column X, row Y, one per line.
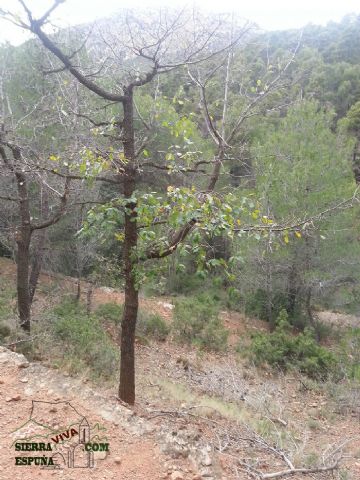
column 269, row 298
column 356, row 162
column 78, row 287
column 23, row 266
column 89, row 295
column 308, row 288
column 131, row 304
column 269, row 288
column 39, row 249
column 292, row 290
column 37, row 264
column 23, row 239
column 310, row 313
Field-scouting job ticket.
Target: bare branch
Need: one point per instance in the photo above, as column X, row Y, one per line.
column 70, row 176
column 10, row 199
column 61, row 211
column 175, row 241
column 245, row 114
column 344, row 204
column 35, row 27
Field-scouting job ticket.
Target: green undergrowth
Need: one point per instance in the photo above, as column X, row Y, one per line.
column 7, row 314
column 207, row 405
column 148, row 326
column 86, row 343
column 197, row 322
column 285, row 350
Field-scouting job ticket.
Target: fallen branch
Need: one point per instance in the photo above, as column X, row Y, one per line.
column 293, row 471
column 24, row 340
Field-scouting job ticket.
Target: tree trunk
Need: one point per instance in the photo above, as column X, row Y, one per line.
column 39, row 247
column 356, row 162
column 23, row 238
column 131, row 304
column 269, row 299
column 89, row 294
column 23, row 292
column 78, row 288
column 292, row 290
column 37, row 264
column 310, row 313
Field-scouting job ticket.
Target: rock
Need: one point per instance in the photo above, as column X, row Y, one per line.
column 177, row 475
column 117, row 460
column 206, row 472
column 197, row 477
column 24, row 380
column 25, row 364
column 15, row 398
column 206, row 461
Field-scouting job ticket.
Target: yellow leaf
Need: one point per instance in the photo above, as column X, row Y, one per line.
column 286, row 238
column 298, row 234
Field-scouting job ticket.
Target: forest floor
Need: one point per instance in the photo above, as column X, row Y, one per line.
column 198, row 415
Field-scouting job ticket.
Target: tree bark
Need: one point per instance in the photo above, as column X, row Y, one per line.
column 292, row 289
column 131, row 304
column 78, row 287
column 39, row 249
column 22, row 280
column 89, row 295
column 23, row 238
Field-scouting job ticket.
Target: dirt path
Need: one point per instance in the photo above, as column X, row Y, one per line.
column 31, row 391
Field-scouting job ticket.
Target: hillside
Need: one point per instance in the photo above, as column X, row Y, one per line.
column 180, row 198
column 213, row 403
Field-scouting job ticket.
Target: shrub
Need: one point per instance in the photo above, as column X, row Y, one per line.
column 196, row 321
column 181, row 283
column 256, row 306
column 282, row 349
column 7, row 294
column 350, row 353
column 21, row 342
column 234, row 300
column 110, row 311
column 4, row 331
column 149, row 325
column 152, row 325
column 84, row 338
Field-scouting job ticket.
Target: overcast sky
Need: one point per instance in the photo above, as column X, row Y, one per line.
column 268, row 14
